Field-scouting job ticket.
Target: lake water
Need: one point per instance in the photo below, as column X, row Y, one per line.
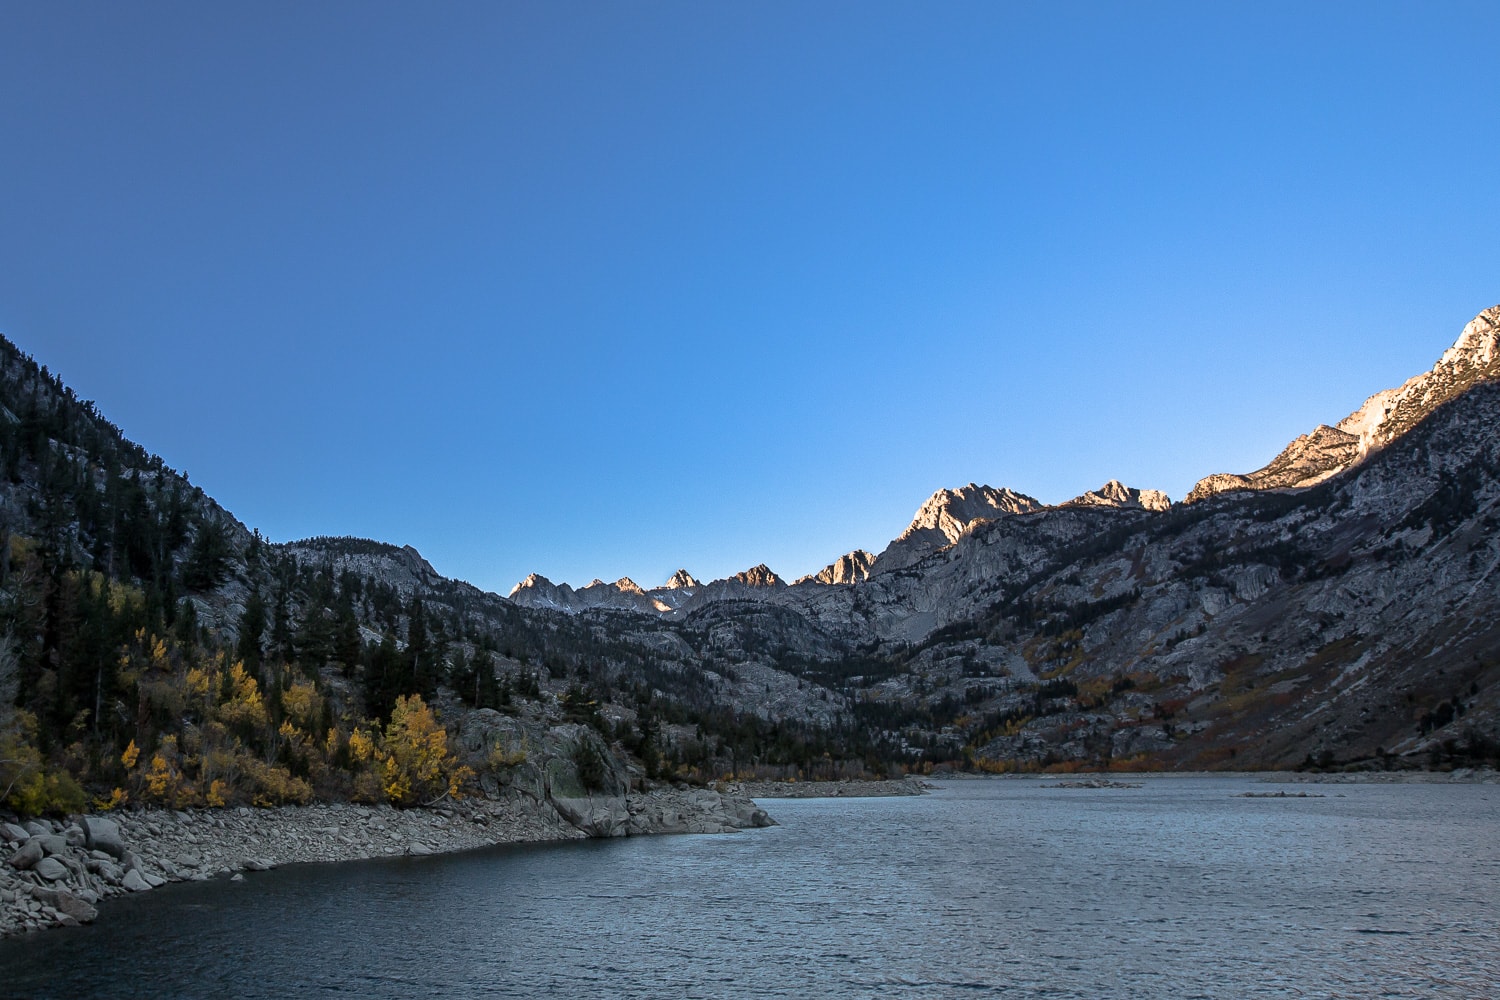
column 985, row 888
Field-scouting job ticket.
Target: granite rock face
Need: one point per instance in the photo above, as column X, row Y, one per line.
column 1312, row 458
column 851, row 568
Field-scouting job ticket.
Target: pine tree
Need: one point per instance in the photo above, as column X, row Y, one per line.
column 252, row 627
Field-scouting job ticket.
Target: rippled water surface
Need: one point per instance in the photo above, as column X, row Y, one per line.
column 985, row 888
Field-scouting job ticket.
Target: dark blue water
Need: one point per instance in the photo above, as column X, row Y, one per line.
column 987, row 888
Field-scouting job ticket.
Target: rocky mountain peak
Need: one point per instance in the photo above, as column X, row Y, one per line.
column 1478, row 345
column 759, row 576
column 946, row 517
column 1311, row 458
column 1117, row 495
column 954, row 511
column 534, row 581
column 680, row 580
column 851, row 568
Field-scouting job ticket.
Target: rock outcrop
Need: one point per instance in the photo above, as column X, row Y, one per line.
column 947, row 516
column 681, row 580
column 1117, row 496
column 851, row 568
column 1312, row 458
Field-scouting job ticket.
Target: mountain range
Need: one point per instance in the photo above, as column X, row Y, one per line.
column 1337, row 607
column 1290, row 593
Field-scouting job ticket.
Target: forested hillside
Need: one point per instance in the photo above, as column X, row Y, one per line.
column 152, row 649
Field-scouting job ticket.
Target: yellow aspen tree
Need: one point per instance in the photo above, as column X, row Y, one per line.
column 415, row 763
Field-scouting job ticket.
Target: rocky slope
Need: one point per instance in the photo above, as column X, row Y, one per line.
column 1473, row 359
column 1336, row 605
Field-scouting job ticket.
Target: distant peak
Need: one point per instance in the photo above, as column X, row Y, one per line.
column 532, row 582
column 680, row 580
column 758, row 576
column 1117, row 495
column 626, row 585
column 954, row 511
column 851, row 568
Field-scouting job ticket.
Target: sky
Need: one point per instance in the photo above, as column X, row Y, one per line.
column 605, row 289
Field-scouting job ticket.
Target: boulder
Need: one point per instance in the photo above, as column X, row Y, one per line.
column 74, row 836
column 595, row 815
column 103, row 835
column 30, row 853
column 134, row 882
column 52, row 844
column 66, row 903
column 37, row 828
column 13, row 833
column 51, row 869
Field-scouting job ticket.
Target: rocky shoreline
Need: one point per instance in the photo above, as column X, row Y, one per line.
column 56, row 873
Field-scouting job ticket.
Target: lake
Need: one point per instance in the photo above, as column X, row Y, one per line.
column 1181, row 888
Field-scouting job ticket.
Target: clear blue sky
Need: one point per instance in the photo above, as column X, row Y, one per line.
column 602, row 289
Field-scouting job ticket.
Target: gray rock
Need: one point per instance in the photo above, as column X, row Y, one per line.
column 13, row 833
column 30, row 853
column 134, row 882
column 74, row 836
column 37, row 828
column 66, row 903
column 51, row 869
column 595, row 815
column 104, row 835
column 237, row 877
column 51, row 844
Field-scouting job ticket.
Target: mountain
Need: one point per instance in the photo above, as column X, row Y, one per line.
column 946, row 517
column 1117, row 495
column 154, row 649
column 851, row 568
column 1349, row 622
column 1335, row 606
column 758, row 576
column 1310, row 459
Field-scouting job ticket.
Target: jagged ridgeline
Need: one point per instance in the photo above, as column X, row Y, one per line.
column 1337, row 608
